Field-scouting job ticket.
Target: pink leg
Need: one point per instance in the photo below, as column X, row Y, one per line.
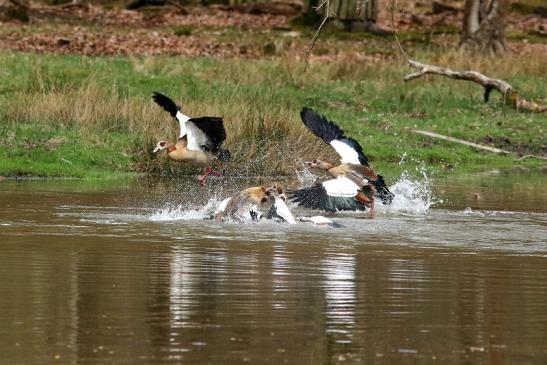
column 372, row 210
column 206, row 173
column 216, row 173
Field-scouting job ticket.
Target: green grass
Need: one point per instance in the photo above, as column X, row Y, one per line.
column 39, row 150
column 97, row 113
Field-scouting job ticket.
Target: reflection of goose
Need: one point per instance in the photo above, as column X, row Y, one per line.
column 199, row 141
column 339, row 283
column 354, row 167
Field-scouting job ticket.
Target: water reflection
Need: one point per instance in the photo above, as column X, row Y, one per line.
column 339, row 285
column 182, row 289
column 88, row 278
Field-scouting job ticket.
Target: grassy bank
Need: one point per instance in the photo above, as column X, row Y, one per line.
column 93, row 116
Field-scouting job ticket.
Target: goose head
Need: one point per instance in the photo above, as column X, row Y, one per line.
column 161, row 146
column 274, row 191
column 315, row 163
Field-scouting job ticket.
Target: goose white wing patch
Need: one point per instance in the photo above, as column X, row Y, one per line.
column 341, row 187
column 347, row 153
column 196, row 137
column 283, row 211
column 222, row 206
column 182, row 122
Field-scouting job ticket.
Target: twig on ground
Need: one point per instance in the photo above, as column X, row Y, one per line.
column 531, row 156
column 461, row 141
column 475, row 145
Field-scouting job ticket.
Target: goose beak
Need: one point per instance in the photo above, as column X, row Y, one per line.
column 156, row 149
column 308, row 163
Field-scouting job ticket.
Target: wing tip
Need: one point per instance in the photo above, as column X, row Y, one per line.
column 166, row 103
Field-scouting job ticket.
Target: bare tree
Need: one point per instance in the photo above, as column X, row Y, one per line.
column 484, row 26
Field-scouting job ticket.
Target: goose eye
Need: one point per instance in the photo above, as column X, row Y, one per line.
column 314, row 161
column 162, row 144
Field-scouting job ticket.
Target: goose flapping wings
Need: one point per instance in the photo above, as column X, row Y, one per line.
column 333, row 195
column 354, row 162
column 205, row 134
column 350, row 150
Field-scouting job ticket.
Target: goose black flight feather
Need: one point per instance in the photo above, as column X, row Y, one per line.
column 382, row 191
column 316, row 197
column 329, row 132
column 213, row 127
column 166, row 103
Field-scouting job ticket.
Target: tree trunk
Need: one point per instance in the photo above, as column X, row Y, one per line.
column 20, row 10
column 484, row 26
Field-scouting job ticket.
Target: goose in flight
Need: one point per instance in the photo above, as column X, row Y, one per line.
column 354, row 167
column 200, row 139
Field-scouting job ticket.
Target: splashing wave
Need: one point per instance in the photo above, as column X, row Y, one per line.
column 181, row 212
column 411, row 196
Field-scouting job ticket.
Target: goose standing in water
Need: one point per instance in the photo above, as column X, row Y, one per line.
column 355, row 184
column 199, row 141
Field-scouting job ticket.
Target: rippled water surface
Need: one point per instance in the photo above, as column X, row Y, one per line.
column 126, row 272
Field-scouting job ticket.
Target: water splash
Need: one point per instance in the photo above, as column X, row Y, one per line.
column 181, row 212
column 304, row 175
column 412, row 196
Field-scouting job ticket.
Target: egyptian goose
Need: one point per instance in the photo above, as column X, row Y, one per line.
column 199, row 141
column 249, row 200
column 244, row 206
column 354, row 167
column 335, row 195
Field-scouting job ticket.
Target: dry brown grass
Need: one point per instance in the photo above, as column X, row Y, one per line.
column 263, row 140
column 259, row 100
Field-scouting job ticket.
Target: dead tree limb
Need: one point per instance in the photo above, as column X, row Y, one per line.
column 461, row 141
column 475, row 145
column 510, row 95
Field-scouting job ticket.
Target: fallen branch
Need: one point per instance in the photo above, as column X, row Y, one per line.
column 531, row 156
column 476, row 145
column 509, row 94
column 461, row 141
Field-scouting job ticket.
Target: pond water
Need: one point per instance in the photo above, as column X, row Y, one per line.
column 124, row 272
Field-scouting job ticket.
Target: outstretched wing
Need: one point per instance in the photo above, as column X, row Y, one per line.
column 169, row 106
column 331, row 195
column 280, row 210
column 349, row 149
column 206, row 134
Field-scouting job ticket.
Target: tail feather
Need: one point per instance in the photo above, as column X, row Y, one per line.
column 224, row 155
column 382, row 191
